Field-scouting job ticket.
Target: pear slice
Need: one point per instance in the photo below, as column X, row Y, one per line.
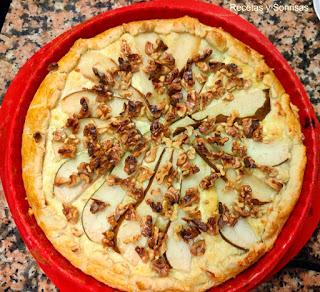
column 128, row 237
column 65, row 193
column 225, row 196
column 143, row 209
column 270, row 154
column 94, row 59
column 70, row 104
column 142, row 83
column 180, row 125
column 241, row 235
column 178, row 252
column 208, row 204
column 260, row 190
column 194, row 180
column 246, row 103
column 95, row 224
column 182, row 46
column 75, row 80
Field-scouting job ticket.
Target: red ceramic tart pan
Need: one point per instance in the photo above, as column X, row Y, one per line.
column 302, row 221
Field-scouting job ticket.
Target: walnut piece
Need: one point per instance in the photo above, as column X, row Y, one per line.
column 97, row 206
column 198, row 248
column 71, row 213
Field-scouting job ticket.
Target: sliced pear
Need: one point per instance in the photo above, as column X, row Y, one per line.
column 226, row 197
column 241, row 235
column 181, row 124
column 246, row 103
column 128, row 237
column 95, row 224
column 182, row 46
column 140, row 81
column 144, row 209
column 141, row 40
column 75, row 80
column 178, row 252
column 65, row 193
column 94, row 59
column 273, row 153
column 260, row 190
column 113, row 50
column 71, row 103
column 208, row 204
column 194, row 180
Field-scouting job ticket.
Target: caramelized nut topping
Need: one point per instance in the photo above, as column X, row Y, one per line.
column 192, row 196
column 198, row 248
column 161, row 266
column 143, row 254
column 146, row 226
column 97, row 206
column 130, row 164
column 208, row 181
column 71, row 213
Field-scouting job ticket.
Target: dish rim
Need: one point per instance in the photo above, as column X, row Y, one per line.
column 62, row 273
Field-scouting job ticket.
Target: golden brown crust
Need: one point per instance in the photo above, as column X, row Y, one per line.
column 109, row 267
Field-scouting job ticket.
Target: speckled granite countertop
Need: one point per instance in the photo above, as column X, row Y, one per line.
column 30, row 24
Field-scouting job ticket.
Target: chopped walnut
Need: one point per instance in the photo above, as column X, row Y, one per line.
column 212, row 225
column 207, row 126
column 163, row 172
column 191, row 196
column 182, row 159
column 59, row 135
column 249, row 162
column 198, row 248
column 68, row 150
column 189, row 169
column 97, row 206
column 155, row 206
column 144, row 173
column 146, row 226
column 217, row 139
column 84, row 111
column 131, row 214
column 90, row 131
column 103, row 111
column 215, row 66
column 193, row 101
column 151, row 154
column 238, row 149
column 197, row 223
column 143, row 254
column 73, row 124
column 132, row 108
column 108, row 239
column 189, row 232
column 276, row 185
column 225, row 216
column 161, row 266
column 71, row 213
column 209, row 181
column 172, row 195
column 112, row 221
column 250, row 126
column 130, row 164
column 157, row 129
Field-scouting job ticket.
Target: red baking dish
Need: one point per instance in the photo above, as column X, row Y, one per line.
column 301, row 222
